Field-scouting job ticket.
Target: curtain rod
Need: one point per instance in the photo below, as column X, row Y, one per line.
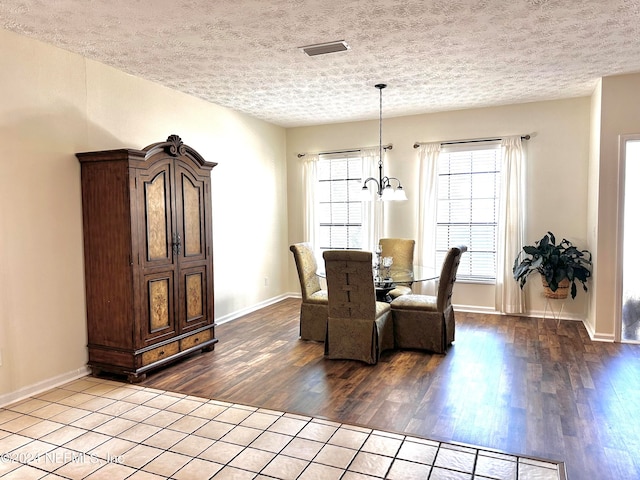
column 351, row 150
column 472, row 140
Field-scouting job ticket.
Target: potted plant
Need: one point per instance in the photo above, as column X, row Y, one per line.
column 560, row 266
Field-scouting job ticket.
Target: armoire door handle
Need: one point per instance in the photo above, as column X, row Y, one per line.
column 177, row 244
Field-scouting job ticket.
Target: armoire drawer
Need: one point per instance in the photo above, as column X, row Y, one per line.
column 160, row 353
column 195, row 339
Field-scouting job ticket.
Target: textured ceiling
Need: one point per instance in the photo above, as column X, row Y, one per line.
column 435, row 55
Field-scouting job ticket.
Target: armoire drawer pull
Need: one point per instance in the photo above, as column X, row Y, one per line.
column 196, row 339
column 160, row 353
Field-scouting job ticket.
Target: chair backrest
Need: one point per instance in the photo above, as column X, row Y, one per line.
column 448, row 276
column 350, row 284
column 401, row 249
column 307, row 269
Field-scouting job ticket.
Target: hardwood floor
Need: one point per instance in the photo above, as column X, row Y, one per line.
column 515, row 384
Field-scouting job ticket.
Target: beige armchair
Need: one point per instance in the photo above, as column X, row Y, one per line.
column 313, row 311
column 401, row 249
column 426, row 322
column 358, row 327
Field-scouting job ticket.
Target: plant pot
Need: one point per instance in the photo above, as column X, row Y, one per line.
column 561, row 292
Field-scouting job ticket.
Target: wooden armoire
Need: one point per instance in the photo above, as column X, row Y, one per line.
column 148, row 256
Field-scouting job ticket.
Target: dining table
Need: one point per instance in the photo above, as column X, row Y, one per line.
column 389, row 279
column 385, row 280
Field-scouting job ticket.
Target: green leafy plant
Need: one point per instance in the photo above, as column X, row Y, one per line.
column 554, row 263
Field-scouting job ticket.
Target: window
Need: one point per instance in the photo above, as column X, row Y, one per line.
column 468, row 194
column 340, row 209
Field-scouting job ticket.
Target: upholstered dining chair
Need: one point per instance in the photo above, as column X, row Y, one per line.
column 313, row 310
column 401, row 250
column 426, row 322
column 358, row 327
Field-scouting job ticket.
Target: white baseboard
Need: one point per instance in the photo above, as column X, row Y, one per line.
column 533, row 313
column 43, row 386
column 599, row 337
column 245, row 311
column 564, row 316
column 473, row 309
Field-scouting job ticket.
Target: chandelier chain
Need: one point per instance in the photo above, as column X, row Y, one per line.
column 380, row 86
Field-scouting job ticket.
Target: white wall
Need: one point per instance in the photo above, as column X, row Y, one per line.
column 56, row 104
column 619, row 115
column 592, row 201
column 557, row 171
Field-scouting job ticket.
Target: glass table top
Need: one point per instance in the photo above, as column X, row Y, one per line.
column 418, row 273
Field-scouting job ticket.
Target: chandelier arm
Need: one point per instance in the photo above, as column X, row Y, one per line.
column 378, row 187
column 388, row 180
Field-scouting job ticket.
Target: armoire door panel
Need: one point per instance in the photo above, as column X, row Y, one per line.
column 193, row 298
column 159, row 317
column 194, row 295
column 159, row 305
column 155, row 196
column 156, row 218
column 191, row 215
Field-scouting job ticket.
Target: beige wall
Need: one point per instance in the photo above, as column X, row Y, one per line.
column 557, row 172
column 41, row 279
column 619, row 115
column 592, row 200
column 56, row 104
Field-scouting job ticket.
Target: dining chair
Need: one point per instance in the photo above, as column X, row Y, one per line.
column 401, row 250
column 313, row 310
column 358, row 326
column 427, row 322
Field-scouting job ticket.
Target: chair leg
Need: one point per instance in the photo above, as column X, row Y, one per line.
column 350, row 339
column 313, row 322
column 385, row 333
column 449, row 328
column 419, row 330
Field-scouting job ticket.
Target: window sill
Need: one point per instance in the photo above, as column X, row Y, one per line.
column 477, row 281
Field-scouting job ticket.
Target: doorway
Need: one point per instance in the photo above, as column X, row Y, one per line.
column 630, row 318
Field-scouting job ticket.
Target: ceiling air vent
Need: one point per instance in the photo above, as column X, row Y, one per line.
column 324, row 48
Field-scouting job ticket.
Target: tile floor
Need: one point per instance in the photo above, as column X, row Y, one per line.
column 101, row 429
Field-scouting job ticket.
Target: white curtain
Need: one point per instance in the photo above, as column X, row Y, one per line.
column 373, row 212
column 509, row 296
column 372, row 215
column 310, row 176
column 427, row 204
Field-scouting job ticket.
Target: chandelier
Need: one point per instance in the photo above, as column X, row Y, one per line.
column 384, row 189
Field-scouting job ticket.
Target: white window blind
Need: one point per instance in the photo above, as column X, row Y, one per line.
column 468, row 193
column 339, row 205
